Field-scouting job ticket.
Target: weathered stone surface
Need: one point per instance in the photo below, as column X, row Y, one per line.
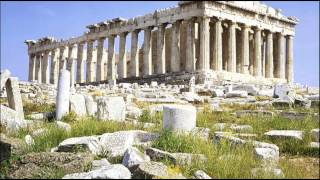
column 267, row 154
column 14, row 96
column 294, row 134
column 250, row 89
column 176, row 158
column 201, row 175
column 299, row 101
column 179, row 117
column 281, row 90
column 150, row 170
column 10, row 119
column 274, row 171
column 201, row 132
column 118, row 142
column 217, row 93
column 294, row 115
column 253, row 113
column 192, row 97
column 29, row 140
column 78, row 104
column 42, row 116
column 75, row 144
column 241, row 128
column 281, row 103
column 111, row 108
column 97, row 164
column 238, row 93
column 91, row 105
column 116, row 171
column 219, row 126
column 224, row 136
column 134, row 157
column 4, row 76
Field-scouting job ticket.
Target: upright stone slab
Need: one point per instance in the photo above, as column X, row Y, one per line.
column 5, row 74
column 111, row 108
column 78, row 104
column 63, row 95
column 179, row 117
column 14, row 96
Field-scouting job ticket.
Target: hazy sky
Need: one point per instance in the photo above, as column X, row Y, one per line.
column 33, row 20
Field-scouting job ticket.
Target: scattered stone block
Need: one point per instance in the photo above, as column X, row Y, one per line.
column 134, row 157
column 111, row 108
column 291, row 134
column 78, row 104
column 179, row 117
column 201, row 175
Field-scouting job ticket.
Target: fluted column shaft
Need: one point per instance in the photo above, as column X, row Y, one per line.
column 161, row 58
column 147, row 56
column 122, row 66
column 190, row 52
column 45, row 68
column 100, row 58
column 175, row 46
column 63, row 57
column 70, row 63
column 289, row 59
column 134, row 62
column 257, row 64
column 245, row 50
column 111, row 58
column 90, row 64
column 269, row 55
column 280, row 57
column 232, row 66
column 54, row 72
column 217, row 46
column 80, row 63
column 204, row 43
column 32, row 65
column 38, row 67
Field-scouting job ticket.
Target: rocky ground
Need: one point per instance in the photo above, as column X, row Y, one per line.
column 242, row 131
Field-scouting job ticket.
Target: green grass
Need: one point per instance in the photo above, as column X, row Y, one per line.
column 30, row 108
column 146, row 116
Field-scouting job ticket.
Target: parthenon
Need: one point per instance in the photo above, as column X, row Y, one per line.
column 241, row 39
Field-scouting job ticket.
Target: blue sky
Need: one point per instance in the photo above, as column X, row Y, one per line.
column 32, row 20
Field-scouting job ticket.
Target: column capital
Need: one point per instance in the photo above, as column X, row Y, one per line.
column 257, row 28
column 148, row 28
column 123, row 34
column 136, row 31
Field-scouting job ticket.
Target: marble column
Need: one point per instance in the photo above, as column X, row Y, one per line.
column 32, row 65
column 54, row 72
column 289, row 58
column 45, row 68
column 122, row 64
column 190, row 52
column 70, row 62
column 134, row 61
column 175, row 47
column 80, row 63
column 90, row 64
column 204, row 43
column 244, row 51
column 100, row 58
column 232, row 64
column 280, row 57
column 147, row 56
column 161, row 58
column 269, row 55
column 111, row 58
column 38, row 67
column 217, row 46
column 257, row 53
column 63, row 57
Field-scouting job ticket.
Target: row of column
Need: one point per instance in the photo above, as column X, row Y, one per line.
column 278, row 56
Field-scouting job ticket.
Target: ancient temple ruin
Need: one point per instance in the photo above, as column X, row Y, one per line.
column 214, row 40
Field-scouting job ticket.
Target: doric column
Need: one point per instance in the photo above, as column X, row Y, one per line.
column 63, row 57
column 269, row 55
column 244, row 51
column 80, row 63
column 70, row 62
column 217, row 46
column 257, row 52
column 289, row 59
column 38, row 67
column 45, row 68
column 161, row 54
column 232, row 63
column 122, row 66
column 175, row 47
column 134, row 61
column 111, row 58
column 204, row 43
column 54, row 72
column 147, row 56
column 32, row 67
column 191, row 54
column 280, row 57
column 100, row 58
column 90, row 64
